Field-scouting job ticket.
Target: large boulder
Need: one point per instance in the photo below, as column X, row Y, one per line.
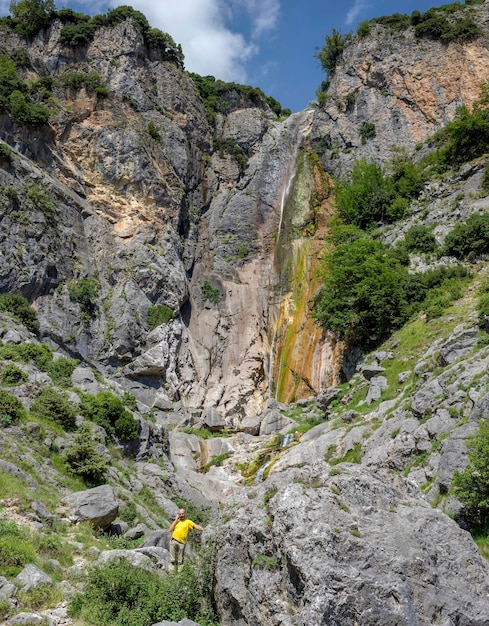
column 359, row 547
column 98, row 506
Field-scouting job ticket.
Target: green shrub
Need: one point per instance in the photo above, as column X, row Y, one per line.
column 120, row 594
column 60, row 370
column 367, row 131
column 11, row 409
column 365, row 197
column 20, row 309
column 5, row 153
column 11, row 375
column 483, row 306
column 40, row 201
column 332, row 50
column 230, row 146
column 469, row 240
column 75, row 35
column 26, row 112
column 108, row 411
column 83, row 459
column 219, row 96
column 85, row 292
column 364, row 29
column 76, row 80
column 53, row 406
column 485, row 177
column 420, row 239
column 126, row 427
column 362, row 299
column 210, row 293
column 471, row 485
column 20, row 57
column 396, row 22
column 159, row 314
column 31, row 16
column 153, row 132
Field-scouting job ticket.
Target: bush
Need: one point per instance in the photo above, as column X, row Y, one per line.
column 364, row 29
column 362, row 299
column 11, row 409
column 159, row 314
column 11, row 375
column 85, row 292
column 25, row 112
column 469, row 240
column 60, row 369
column 126, row 427
column 364, row 199
column 471, row 485
column 108, row 411
column 420, row 239
column 483, row 304
column 20, row 308
column 367, row 131
column 51, row 405
column 40, row 201
column 83, row 460
column 5, row 153
column 210, row 293
column 31, row 16
column 332, row 50
column 120, row 594
column 75, row 35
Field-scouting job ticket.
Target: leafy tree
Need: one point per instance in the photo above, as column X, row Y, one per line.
column 362, row 298
column 469, row 240
column 31, row 16
column 331, row 51
column 364, row 198
column 420, row 239
column 471, row 485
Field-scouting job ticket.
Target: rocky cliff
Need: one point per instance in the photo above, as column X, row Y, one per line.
column 173, row 252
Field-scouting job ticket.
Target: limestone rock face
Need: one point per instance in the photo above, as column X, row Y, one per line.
column 358, row 547
column 407, row 88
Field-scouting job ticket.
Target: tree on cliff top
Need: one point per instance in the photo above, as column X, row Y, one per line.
column 31, row 16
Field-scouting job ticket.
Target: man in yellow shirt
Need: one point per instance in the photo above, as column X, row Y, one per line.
column 180, row 528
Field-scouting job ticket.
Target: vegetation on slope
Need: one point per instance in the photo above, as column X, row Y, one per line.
column 367, row 291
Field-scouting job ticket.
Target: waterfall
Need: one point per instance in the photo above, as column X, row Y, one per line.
column 295, row 355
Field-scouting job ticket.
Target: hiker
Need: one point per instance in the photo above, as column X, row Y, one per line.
column 180, row 528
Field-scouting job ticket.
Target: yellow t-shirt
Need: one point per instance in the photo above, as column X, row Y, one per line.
column 182, row 529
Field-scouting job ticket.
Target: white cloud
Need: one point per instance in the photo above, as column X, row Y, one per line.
column 355, row 11
column 210, row 46
column 264, row 15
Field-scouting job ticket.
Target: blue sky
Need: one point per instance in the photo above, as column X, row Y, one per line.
column 264, row 43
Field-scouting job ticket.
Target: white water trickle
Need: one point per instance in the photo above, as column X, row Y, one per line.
column 291, row 171
column 287, row 440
